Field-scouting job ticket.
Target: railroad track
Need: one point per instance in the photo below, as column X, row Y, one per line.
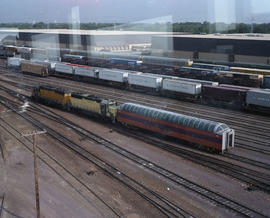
column 79, row 186
column 244, row 174
column 165, row 206
column 171, row 176
column 252, row 148
column 168, row 104
column 2, row 205
column 240, row 136
column 240, row 126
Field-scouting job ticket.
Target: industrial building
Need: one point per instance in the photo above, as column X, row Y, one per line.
column 239, row 48
column 79, row 39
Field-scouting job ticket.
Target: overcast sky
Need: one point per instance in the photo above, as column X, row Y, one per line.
column 134, row 10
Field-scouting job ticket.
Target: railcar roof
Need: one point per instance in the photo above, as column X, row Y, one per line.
column 192, row 122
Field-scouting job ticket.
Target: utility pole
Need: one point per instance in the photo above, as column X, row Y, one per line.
column 33, row 134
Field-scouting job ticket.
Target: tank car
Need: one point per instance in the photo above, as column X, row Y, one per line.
column 213, row 135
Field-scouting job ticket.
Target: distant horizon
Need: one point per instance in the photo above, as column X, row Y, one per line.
column 129, row 11
column 139, row 22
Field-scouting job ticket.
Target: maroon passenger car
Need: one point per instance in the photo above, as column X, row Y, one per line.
column 217, row 136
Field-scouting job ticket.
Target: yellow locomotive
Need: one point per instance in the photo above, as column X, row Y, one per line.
column 72, row 101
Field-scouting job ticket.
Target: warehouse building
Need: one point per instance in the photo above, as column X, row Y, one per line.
column 239, row 48
column 80, row 39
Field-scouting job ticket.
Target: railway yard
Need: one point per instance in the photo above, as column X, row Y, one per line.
column 89, row 167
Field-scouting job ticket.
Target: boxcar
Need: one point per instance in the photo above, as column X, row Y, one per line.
column 64, row 68
column 181, row 88
column 217, row 136
column 145, row 81
column 232, row 96
column 35, row 68
column 258, row 98
column 113, row 75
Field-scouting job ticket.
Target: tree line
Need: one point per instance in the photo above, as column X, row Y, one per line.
column 190, row 27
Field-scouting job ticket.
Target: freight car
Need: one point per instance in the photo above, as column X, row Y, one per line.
column 225, row 96
column 7, row 51
column 217, row 136
column 125, row 63
column 181, row 89
column 14, row 63
column 266, row 82
column 40, row 69
column 141, row 81
column 74, row 59
column 197, row 73
column 236, row 78
column 258, row 100
column 211, row 66
column 250, row 70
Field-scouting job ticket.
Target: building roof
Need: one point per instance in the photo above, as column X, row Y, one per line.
column 247, row 36
column 82, row 32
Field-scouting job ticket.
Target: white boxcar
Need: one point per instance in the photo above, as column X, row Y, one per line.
column 259, row 97
column 184, row 87
column 64, row 68
column 24, row 50
column 85, row 71
column 14, row 62
column 144, row 80
column 113, row 75
column 203, row 82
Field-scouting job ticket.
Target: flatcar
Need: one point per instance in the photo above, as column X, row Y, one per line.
column 217, row 136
